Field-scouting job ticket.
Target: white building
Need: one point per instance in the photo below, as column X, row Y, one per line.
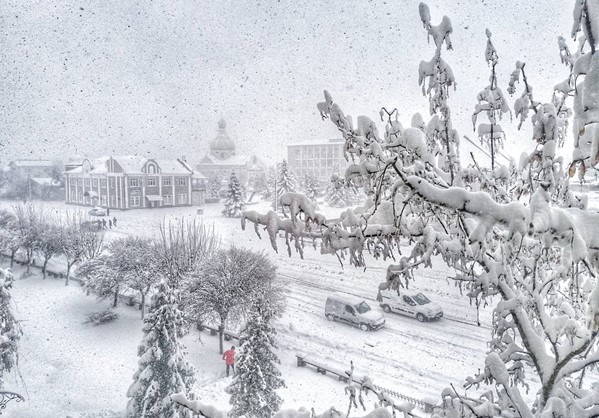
column 223, row 159
column 319, row 159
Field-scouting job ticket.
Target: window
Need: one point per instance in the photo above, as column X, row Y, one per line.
column 87, row 182
column 103, row 200
column 168, row 199
column 134, row 182
column 151, row 180
column 181, row 181
column 151, row 169
column 113, row 201
column 102, row 182
column 135, row 200
column 349, row 310
column 80, row 181
column 167, row 181
column 182, row 199
column 95, row 183
column 112, row 182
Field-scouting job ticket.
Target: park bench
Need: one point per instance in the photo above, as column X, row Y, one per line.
column 342, row 375
column 228, row 335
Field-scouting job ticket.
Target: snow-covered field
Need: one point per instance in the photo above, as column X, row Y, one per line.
column 70, row 368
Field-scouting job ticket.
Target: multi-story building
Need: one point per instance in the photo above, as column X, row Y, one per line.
column 223, row 159
column 132, row 182
column 319, row 159
column 39, row 179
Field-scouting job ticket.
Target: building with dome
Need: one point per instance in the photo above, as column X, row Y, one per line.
column 223, row 159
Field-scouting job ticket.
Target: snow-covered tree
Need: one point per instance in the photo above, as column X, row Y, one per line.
column 141, row 267
column 213, row 186
column 285, row 180
column 9, row 237
column 235, row 202
column 77, row 243
column 10, row 330
column 129, row 262
column 182, row 248
column 532, row 253
column 28, row 222
column 49, row 242
column 311, row 187
column 257, row 378
column 163, row 369
column 436, row 77
column 226, row 285
column 336, row 193
column 491, row 103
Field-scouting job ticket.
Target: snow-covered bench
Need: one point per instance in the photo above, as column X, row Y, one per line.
column 342, row 375
column 228, row 335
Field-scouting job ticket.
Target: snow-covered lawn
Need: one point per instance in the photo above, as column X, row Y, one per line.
column 71, row 368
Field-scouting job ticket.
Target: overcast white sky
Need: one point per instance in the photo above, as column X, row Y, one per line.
column 154, row 77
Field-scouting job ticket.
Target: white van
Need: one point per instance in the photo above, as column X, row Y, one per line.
column 409, row 303
column 354, row 311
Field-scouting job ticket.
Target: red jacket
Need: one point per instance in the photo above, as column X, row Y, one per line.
column 229, row 357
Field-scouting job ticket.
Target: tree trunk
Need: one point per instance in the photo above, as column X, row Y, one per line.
column 116, row 297
column 142, row 306
column 44, row 267
column 28, row 261
column 66, row 283
column 12, row 257
column 221, row 334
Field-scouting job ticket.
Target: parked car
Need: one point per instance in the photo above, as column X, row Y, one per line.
column 98, row 211
column 353, row 311
column 91, row 226
column 411, row 304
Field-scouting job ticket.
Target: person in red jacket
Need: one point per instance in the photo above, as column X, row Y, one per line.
column 229, row 357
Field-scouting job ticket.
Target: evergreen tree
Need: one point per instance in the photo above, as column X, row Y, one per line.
column 163, row 370
column 311, row 187
column 285, row 180
column 253, row 390
column 10, row 330
column 213, row 186
column 235, row 203
column 336, row 193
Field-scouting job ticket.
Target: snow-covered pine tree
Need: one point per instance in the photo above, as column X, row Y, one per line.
column 235, row 202
column 10, row 330
column 253, row 390
column 311, row 187
column 285, row 180
column 163, row 370
column 492, row 103
column 336, row 193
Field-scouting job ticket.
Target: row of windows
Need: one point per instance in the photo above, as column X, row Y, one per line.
column 135, row 201
column 167, row 200
column 133, row 182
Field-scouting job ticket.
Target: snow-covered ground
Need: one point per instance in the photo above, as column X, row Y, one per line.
column 71, row 368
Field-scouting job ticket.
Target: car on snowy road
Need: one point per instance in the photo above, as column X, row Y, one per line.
column 416, row 305
column 98, row 211
column 353, row 311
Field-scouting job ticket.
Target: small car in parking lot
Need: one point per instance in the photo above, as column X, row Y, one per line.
column 413, row 304
column 97, row 211
column 353, row 311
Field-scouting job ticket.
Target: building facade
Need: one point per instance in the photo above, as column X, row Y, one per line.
column 319, row 159
column 38, row 179
column 131, row 182
column 223, row 159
